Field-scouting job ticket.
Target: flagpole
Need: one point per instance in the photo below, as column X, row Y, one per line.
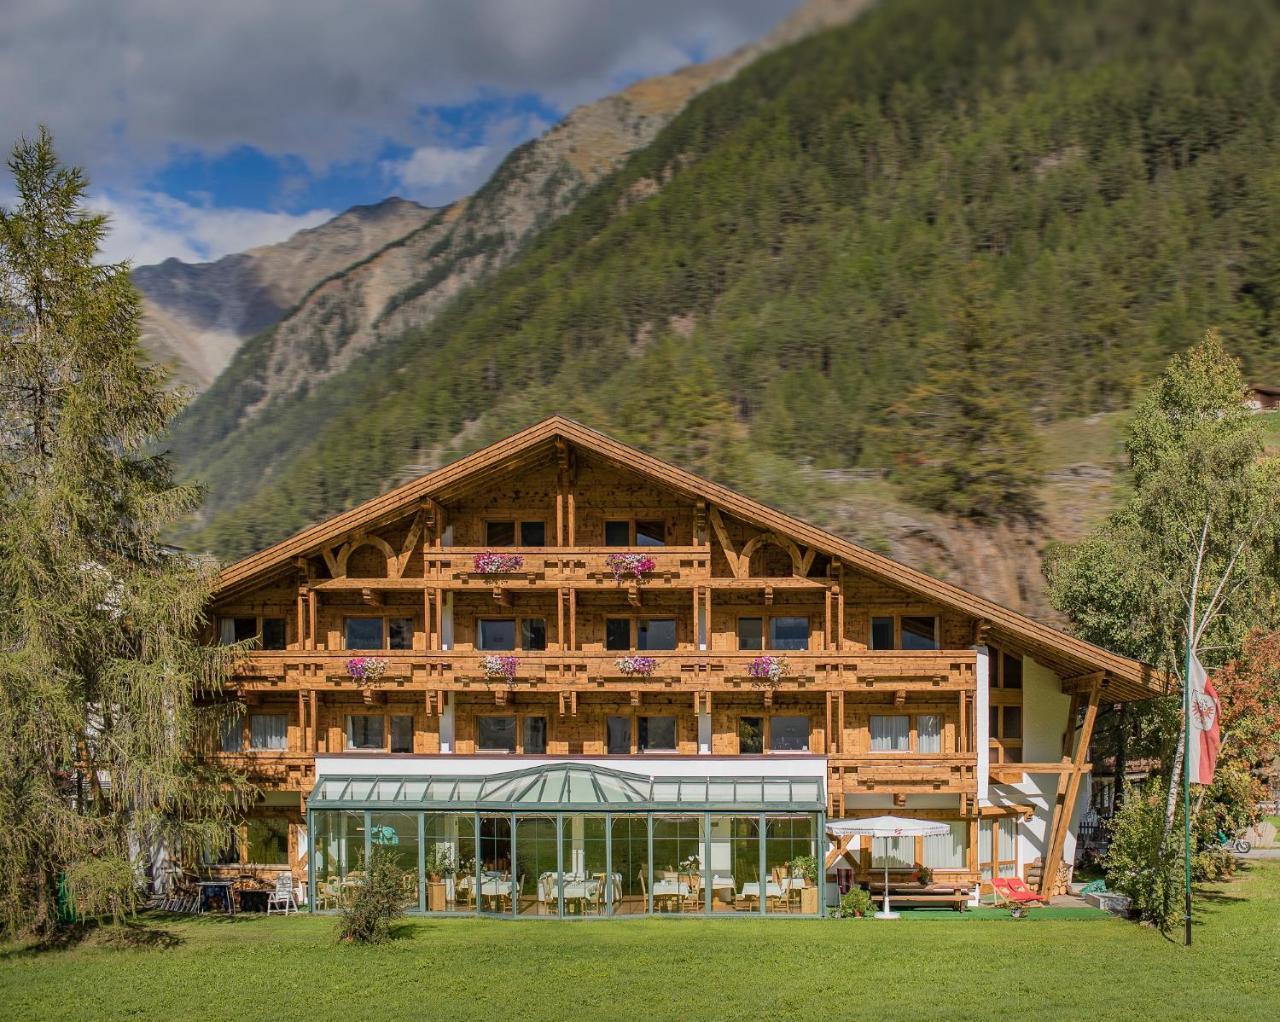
column 1186, row 774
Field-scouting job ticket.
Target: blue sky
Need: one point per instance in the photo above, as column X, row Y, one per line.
column 208, row 128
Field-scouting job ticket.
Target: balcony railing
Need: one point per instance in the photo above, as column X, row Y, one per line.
column 280, row 769
column 943, row 670
column 904, row 772
column 547, row 567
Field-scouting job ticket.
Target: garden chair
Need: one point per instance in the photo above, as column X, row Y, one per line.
column 1014, row 891
column 281, row 897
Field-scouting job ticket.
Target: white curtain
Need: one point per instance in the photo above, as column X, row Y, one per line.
column 948, row 851
column 232, row 736
column 899, row 851
column 928, row 733
column 268, row 731
column 890, row 734
column 227, row 636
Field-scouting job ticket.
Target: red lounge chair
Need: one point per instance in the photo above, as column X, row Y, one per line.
column 1013, row 891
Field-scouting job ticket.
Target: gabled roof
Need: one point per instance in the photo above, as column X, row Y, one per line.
column 1127, row 679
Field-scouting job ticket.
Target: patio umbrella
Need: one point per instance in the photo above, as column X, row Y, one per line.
column 886, row 827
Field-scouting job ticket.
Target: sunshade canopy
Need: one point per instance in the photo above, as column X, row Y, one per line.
column 886, row 826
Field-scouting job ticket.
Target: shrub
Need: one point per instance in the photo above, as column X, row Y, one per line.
column 854, row 904
column 1137, row 866
column 367, row 917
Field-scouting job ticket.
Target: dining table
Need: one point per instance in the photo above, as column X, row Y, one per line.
column 752, row 891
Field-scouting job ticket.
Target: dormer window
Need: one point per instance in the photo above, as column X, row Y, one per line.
column 634, row 532
column 505, row 533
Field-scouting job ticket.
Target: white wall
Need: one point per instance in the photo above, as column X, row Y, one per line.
column 1044, row 713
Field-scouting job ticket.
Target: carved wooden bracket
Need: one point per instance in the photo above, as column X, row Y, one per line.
column 371, row 597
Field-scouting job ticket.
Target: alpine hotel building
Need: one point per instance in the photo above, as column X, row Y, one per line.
column 559, row 677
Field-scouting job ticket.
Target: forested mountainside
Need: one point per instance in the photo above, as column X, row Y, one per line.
column 1000, row 216
column 196, row 315
column 402, row 284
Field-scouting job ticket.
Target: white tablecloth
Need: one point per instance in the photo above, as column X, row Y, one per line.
column 772, row 890
column 670, row 889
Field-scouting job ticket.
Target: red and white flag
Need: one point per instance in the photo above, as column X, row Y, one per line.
column 1205, row 738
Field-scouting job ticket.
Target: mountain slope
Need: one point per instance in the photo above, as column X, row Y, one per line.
column 196, row 315
column 406, row 283
column 1091, row 183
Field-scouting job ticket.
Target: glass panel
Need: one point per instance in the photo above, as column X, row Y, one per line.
column 657, row 734
column 338, row 856
column 533, row 533
column 1012, row 722
column 496, row 734
column 1012, row 671
column 536, row 865
column 882, row 633
column 788, row 839
column 500, row 533
column 948, row 851
column 900, row 852
column 402, row 732
column 533, row 633
column 985, row 829
column 231, row 736
column 495, row 864
column 273, row 633
column 244, row 628
column 586, row 887
column 268, row 731
column 656, row 633
column 535, row 736
column 651, row 534
column 400, row 633
column 751, row 633
column 919, row 633
column 928, row 733
column 993, row 721
column 619, row 734
column 750, row 735
column 617, row 633
column 734, row 863
column 789, row 734
column 788, row 633
column 1012, row 754
column 364, row 633
column 496, row 633
column 366, row 732
column 451, row 862
column 269, row 841
column 890, row 733
column 617, row 533
column 677, row 863
column 629, row 837
column 397, row 835
column 226, row 631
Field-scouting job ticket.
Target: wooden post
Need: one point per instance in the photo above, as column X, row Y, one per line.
column 711, row 643
column 826, row 618
column 1064, row 806
column 313, row 609
column 573, row 618
column 302, row 721
column 315, row 737
column 439, row 620
column 840, row 721
column 840, row 607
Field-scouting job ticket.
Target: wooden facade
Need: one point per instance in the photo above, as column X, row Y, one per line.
column 898, row 679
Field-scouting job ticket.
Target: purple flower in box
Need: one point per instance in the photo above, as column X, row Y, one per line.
column 490, row 563
column 634, row 565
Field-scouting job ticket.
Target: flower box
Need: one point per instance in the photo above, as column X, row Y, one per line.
column 500, row 667
column 366, row 668
column 632, row 565
column 490, row 563
column 769, row 668
column 642, row 666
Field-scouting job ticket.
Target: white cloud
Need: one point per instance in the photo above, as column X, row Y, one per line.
column 149, row 227
column 433, row 166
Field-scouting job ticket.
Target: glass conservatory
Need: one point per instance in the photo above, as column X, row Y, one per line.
column 573, row 841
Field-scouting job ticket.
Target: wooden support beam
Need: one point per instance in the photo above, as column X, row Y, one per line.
column 371, row 597
column 502, row 596
column 635, row 697
column 315, row 737
column 439, row 636
column 1064, row 804
column 722, row 534
column 313, row 610
column 573, row 619
column 302, row 720
column 633, row 594
column 840, row 721
column 826, row 619
column 768, row 596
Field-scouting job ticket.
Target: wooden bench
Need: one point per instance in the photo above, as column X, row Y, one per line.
column 913, row 894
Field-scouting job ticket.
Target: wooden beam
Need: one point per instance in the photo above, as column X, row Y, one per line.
column 1064, row 806
column 315, row 737
column 313, row 610
column 371, row 597
column 726, row 544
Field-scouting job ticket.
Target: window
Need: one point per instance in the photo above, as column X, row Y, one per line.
column 268, row 731
column 894, row 852
column 535, row 736
column 237, row 629
column 496, row 633
column 890, row 733
column 273, row 633
column 919, row 633
column 656, row 633
column 788, row 734
column 1006, row 733
column 998, row 847
column 366, row 732
column 364, row 633
column 231, row 738
column 617, row 633
column 651, row 533
column 882, row 633
column 400, row 633
column 788, row 633
column 928, row 733
column 1012, row 722
column 268, row 841
column 533, row 533
column 500, row 533
column 401, row 732
column 750, row 735
column 617, row 533
column 533, row 633
column 657, row 734
column 227, row 855
column 751, row 633
column 948, row 851
column 496, row 734
column 618, row 735
column 1006, row 670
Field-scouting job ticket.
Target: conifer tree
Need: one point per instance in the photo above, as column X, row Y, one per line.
column 100, row 670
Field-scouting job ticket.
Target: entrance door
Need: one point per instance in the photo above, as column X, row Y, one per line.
column 495, row 883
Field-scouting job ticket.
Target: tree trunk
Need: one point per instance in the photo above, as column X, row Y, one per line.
column 1175, row 775
column 1122, row 756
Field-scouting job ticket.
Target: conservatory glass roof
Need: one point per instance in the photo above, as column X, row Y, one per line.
column 567, row 786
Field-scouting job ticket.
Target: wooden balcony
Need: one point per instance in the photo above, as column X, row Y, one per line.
column 695, row 670
column 904, row 772
column 278, row 769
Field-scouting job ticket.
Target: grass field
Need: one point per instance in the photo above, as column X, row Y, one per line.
column 1059, row 965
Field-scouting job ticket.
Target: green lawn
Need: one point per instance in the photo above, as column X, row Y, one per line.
column 1054, row 965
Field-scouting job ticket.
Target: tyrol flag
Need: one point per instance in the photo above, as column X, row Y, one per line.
column 1202, row 756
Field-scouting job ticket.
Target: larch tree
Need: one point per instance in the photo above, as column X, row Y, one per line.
column 103, row 682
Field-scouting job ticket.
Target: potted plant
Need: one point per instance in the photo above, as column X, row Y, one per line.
column 806, row 867
column 439, row 866
column 642, row 666
column 366, row 668
column 925, row 875
column 500, row 668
